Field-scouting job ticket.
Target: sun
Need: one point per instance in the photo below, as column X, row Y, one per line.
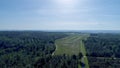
column 66, row 3
column 66, row 6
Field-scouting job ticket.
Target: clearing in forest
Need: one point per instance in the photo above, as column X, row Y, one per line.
column 72, row 45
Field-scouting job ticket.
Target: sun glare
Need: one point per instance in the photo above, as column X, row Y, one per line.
column 66, row 3
column 67, row 6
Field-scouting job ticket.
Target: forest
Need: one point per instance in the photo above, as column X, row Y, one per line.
column 33, row 49
column 103, row 50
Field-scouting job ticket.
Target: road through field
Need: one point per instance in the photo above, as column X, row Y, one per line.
column 72, row 45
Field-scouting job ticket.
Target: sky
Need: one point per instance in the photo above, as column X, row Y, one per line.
column 59, row 14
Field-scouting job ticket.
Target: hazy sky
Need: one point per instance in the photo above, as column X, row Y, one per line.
column 59, row 14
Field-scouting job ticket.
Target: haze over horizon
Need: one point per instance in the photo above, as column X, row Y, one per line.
column 59, row 15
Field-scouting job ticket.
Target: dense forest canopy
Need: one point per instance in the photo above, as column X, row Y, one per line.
column 34, row 49
column 103, row 50
column 103, row 45
column 23, row 49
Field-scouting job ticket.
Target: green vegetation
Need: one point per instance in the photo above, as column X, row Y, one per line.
column 103, row 50
column 72, row 45
column 84, row 58
column 35, row 49
column 66, row 46
column 25, row 49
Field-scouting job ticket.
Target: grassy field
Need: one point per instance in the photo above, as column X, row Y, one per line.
column 72, row 45
column 84, row 58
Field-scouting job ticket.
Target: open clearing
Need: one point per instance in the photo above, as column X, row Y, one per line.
column 72, row 45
